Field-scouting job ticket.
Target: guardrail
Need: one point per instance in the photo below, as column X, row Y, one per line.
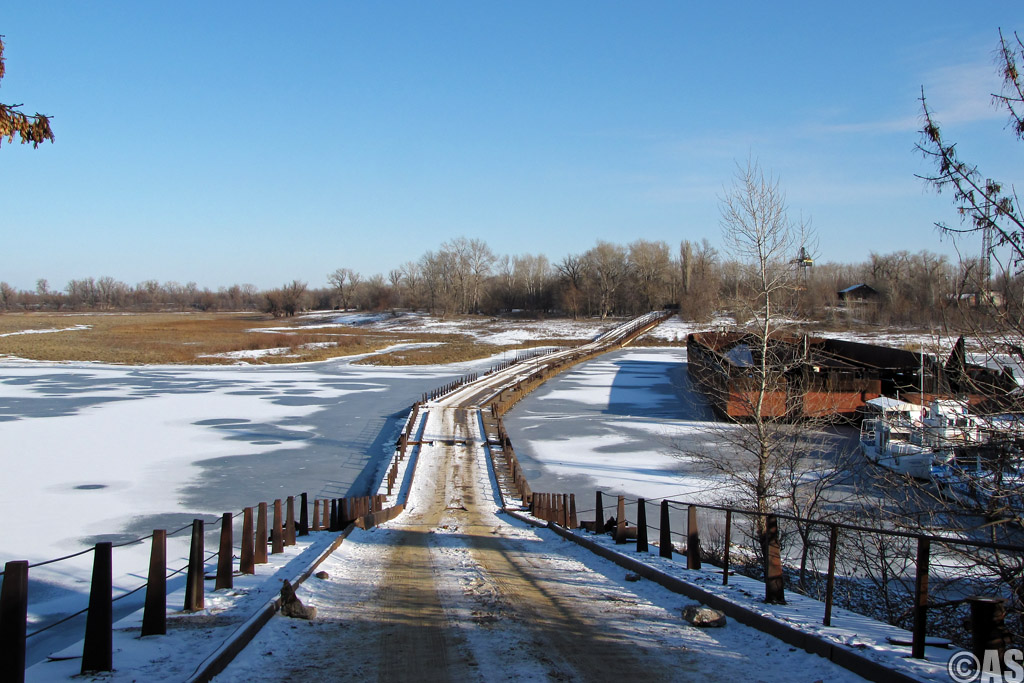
column 988, row 631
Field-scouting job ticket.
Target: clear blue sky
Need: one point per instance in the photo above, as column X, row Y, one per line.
column 224, row 142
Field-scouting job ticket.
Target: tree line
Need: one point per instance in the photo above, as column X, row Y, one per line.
column 465, row 276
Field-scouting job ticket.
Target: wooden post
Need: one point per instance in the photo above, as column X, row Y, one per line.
column 13, row 620
column 620, row 520
column 728, row 542
column 830, row 582
column 276, row 530
column 247, row 555
column 692, row 538
column 316, row 514
column 574, row 521
column 666, row 532
column 565, row 511
column 325, row 516
column 598, row 514
column 303, row 515
column 988, row 631
column 641, row 525
column 225, row 579
column 774, row 582
column 261, row 534
column 154, row 617
column 924, row 548
column 289, row 525
column 98, row 651
column 194, row 598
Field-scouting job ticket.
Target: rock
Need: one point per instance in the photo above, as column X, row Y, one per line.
column 322, row 575
column 703, row 617
column 632, row 577
column 291, row 606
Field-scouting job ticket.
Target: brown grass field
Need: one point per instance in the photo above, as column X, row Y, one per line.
column 195, row 338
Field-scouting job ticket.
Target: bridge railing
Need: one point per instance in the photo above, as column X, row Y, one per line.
column 986, row 613
column 259, row 530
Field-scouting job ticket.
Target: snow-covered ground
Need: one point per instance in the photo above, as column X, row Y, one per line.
column 102, row 453
column 94, row 452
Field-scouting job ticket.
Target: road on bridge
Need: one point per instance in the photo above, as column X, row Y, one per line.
column 454, row 590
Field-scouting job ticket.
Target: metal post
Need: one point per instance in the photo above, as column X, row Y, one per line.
column 154, row 617
column 247, row 555
column 833, row 541
column 924, row 548
column 276, row 532
column 13, row 620
column 289, row 525
column 728, row 542
column 987, row 629
column 194, row 599
column 692, row 538
column 303, row 515
column 98, row 651
column 225, row 579
column 666, row 532
column 260, row 543
column 774, row 583
column 620, row 520
column 641, row 525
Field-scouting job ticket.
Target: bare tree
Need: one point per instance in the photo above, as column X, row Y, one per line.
column 764, row 448
column 606, row 269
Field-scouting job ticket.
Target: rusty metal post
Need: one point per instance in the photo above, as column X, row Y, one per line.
column 666, row 532
column 620, row 520
column 316, row 514
column 833, row 542
column 574, row 521
column 225, row 578
column 13, row 620
column 98, row 650
column 303, row 515
column 641, row 525
column 276, row 530
column 774, row 581
column 194, row 599
column 924, row 548
column 987, row 629
column 725, row 552
column 289, row 525
column 247, row 555
column 598, row 514
column 692, row 538
column 154, row 616
column 261, row 534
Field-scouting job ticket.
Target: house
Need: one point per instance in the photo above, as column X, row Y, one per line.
column 859, row 293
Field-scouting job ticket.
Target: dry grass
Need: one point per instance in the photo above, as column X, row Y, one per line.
column 173, row 338
column 192, row 338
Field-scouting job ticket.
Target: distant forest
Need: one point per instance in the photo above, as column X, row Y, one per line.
column 465, row 276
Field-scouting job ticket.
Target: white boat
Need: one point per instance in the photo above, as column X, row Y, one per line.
column 888, row 434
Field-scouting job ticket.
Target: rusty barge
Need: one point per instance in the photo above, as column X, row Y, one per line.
column 831, row 379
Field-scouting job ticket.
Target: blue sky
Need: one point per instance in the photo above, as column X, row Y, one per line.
column 259, row 142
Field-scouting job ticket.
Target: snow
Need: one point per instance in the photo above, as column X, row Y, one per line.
column 73, row 328
column 141, row 434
